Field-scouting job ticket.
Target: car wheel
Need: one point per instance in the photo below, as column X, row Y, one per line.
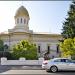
column 53, row 69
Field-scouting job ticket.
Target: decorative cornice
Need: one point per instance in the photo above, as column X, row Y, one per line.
column 48, row 35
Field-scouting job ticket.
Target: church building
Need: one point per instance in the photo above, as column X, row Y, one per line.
column 45, row 42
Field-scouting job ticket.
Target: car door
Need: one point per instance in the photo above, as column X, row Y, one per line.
column 63, row 65
column 71, row 64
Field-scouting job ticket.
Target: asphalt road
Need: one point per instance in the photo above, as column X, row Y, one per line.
column 31, row 70
column 36, row 72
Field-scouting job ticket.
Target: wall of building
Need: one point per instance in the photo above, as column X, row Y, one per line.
column 40, row 40
column 44, row 42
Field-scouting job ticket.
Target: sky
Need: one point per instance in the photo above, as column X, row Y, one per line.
column 45, row 16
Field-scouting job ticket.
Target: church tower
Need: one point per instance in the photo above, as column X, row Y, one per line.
column 21, row 20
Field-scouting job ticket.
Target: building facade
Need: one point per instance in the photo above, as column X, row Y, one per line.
column 45, row 42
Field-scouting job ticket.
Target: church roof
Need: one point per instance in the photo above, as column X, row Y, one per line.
column 22, row 11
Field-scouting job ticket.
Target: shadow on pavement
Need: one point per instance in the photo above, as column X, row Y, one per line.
column 21, row 67
column 4, row 68
column 65, row 72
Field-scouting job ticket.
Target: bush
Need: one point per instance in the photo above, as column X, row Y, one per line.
column 25, row 49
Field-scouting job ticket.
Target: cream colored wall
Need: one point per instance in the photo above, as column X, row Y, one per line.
column 16, row 38
column 43, row 41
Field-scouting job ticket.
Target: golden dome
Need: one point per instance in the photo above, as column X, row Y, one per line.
column 22, row 11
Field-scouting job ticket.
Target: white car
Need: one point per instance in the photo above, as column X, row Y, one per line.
column 57, row 64
column 44, row 63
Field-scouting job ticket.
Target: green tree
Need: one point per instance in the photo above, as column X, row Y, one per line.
column 25, row 49
column 68, row 47
column 3, row 49
column 68, row 30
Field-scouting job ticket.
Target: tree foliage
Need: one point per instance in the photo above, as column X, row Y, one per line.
column 68, row 30
column 25, row 49
column 68, row 47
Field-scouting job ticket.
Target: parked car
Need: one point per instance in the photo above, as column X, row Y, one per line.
column 57, row 64
column 44, row 63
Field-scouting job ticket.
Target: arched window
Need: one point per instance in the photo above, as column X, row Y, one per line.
column 57, row 48
column 48, row 49
column 24, row 21
column 38, row 49
column 21, row 20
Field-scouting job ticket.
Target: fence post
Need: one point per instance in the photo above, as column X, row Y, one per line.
column 3, row 60
column 40, row 61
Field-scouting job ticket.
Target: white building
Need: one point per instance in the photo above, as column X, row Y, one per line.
column 45, row 42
